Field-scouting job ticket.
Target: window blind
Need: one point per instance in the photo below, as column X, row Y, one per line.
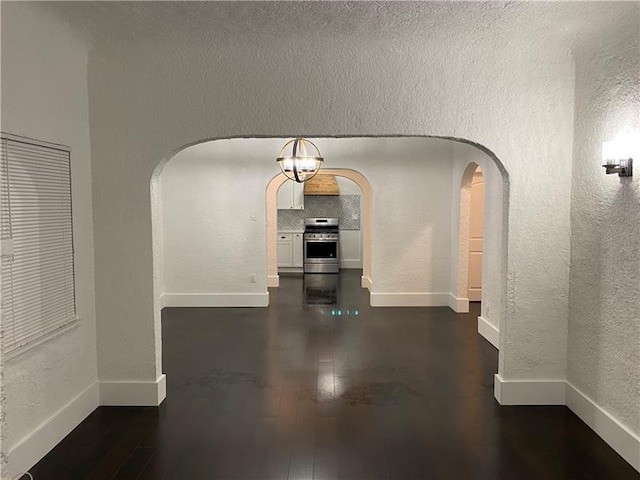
column 38, row 285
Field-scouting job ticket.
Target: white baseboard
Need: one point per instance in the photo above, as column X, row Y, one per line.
column 38, row 443
column 350, row 263
column 559, row 392
column 215, row 299
column 365, row 282
column 619, row 437
column 529, row 392
column 409, row 299
column 458, row 305
column 133, row 394
column 273, row 281
column 489, row 332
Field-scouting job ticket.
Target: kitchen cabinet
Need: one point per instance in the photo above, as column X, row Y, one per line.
column 297, row 250
column 285, row 250
column 291, row 196
column 290, row 254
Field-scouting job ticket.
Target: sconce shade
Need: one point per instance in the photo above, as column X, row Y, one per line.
column 298, row 165
column 618, row 154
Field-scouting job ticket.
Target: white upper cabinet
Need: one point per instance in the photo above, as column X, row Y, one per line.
column 291, row 196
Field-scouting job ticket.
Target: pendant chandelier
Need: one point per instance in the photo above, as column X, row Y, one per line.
column 299, row 165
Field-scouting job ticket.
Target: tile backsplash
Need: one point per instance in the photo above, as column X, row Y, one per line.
column 344, row 207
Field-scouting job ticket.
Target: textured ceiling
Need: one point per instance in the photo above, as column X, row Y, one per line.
column 148, row 19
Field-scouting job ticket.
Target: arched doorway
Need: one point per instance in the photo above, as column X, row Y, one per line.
column 231, row 195
column 464, row 240
column 476, row 236
column 367, row 216
column 479, row 245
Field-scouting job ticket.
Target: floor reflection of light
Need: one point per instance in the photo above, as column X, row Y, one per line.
column 338, row 385
column 347, row 313
column 325, row 384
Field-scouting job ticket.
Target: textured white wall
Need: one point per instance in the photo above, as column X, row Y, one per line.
column 411, row 221
column 44, row 95
column 347, row 186
column 351, row 248
column 209, row 194
column 493, row 252
column 211, row 190
column 150, row 98
column 604, row 319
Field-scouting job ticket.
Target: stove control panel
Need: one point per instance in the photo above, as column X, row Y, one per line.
column 321, row 236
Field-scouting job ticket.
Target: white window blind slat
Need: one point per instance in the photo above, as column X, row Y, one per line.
column 47, row 151
column 30, row 165
column 28, row 152
column 23, row 247
column 29, row 223
column 50, row 184
column 43, row 332
column 49, row 164
column 30, row 156
column 55, row 306
column 47, row 173
column 39, row 164
column 38, row 285
column 32, row 161
column 32, row 275
column 34, row 268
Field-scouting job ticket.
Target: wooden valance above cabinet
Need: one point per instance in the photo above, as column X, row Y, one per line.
column 321, row 185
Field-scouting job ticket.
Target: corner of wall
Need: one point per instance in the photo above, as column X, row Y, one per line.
column 489, row 331
column 559, row 392
column 529, row 392
column 458, row 304
column 133, row 394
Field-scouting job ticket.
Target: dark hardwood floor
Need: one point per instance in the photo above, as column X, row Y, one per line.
column 304, row 390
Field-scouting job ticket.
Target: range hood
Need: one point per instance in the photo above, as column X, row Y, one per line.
column 321, row 185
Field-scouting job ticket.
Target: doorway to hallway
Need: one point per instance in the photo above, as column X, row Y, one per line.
column 476, row 236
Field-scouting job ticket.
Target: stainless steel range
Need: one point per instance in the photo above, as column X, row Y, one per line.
column 321, row 237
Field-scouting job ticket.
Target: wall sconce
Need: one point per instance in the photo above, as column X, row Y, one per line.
column 618, row 154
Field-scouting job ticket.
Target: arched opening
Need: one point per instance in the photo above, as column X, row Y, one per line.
column 464, row 240
column 480, row 243
column 366, row 222
column 476, row 236
column 257, row 170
